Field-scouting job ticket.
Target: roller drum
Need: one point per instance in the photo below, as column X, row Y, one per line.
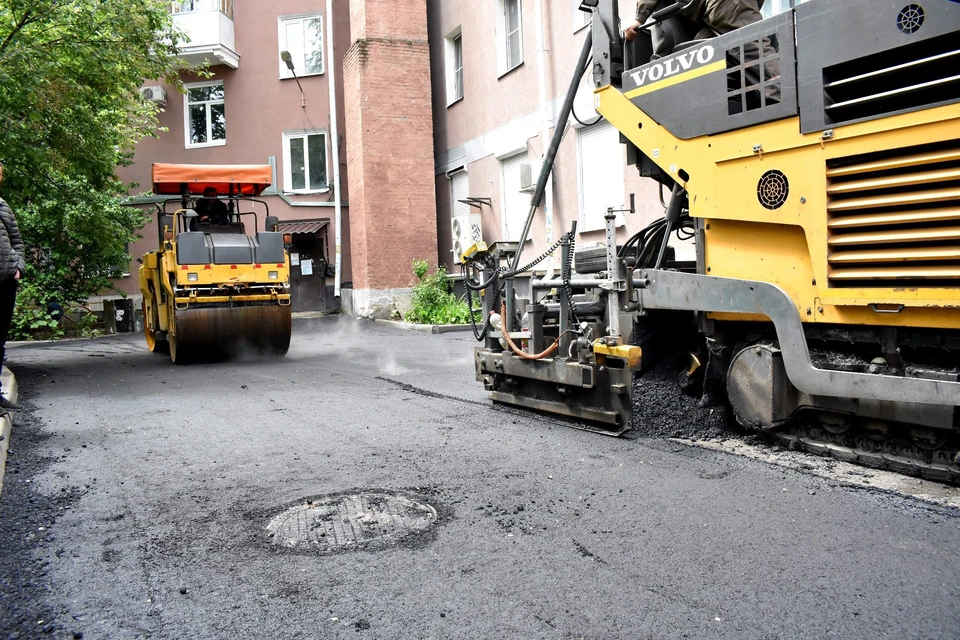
column 204, row 333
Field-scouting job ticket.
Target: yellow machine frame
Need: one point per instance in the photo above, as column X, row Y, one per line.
column 732, row 163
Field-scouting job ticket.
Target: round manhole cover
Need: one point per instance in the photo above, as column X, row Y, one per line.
column 354, row 521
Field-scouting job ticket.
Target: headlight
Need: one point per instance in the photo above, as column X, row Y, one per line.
column 192, row 277
column 273, row 275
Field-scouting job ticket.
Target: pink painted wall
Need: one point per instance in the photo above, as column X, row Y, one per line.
column 259, row 107
column 490, row 102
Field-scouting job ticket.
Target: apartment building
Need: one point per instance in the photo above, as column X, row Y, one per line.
column 500, row 74
column 501, row 69
column 253, row 110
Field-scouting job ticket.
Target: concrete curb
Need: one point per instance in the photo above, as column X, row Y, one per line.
column 426, row 328
column 6, row 422
column 20, row 343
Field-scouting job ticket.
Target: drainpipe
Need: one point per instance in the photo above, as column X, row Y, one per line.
column 335, row 137
column 545, row 118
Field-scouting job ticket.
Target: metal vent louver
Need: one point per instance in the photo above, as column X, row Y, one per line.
column 773, row 189
column 893, row 218
column 914, row 76
column 911, row 18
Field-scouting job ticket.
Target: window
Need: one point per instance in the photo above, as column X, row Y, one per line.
column 509, row 35
column 190, row 6
column 204, row 115
column 580, row 18
column 459, row 190
column 773, row 7
column 602, row 185
column 515, row 205
column 193, row 6
column 302, row 36
column 305, row 161
column 454, row 66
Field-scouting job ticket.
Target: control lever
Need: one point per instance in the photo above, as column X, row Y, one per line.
column 660, row 15
column 632, row 209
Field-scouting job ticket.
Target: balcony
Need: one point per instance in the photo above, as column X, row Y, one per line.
column 208, row 25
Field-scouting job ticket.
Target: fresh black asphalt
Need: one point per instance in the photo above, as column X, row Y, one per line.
column 138, row 493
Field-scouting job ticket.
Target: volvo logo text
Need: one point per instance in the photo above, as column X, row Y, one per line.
column 673, row 66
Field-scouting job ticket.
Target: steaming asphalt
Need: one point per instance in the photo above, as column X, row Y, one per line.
column 137, row 496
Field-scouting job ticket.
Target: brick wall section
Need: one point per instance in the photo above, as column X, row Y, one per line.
column 393, row 19
column 389, row 134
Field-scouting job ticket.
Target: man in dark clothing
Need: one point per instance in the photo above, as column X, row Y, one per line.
column 716, row 17
column 713, row 17
column 12, row 267
column 211, row 210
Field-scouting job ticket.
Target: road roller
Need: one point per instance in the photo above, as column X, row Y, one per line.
column 217, row 286
column 813, row 161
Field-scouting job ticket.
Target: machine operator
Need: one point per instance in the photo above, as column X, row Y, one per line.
column 211, row 210
column 713, row 17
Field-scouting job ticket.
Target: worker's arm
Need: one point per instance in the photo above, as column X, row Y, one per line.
column 13, row 233
column 644, row 9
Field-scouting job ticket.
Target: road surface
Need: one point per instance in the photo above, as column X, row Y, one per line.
column 138, row 496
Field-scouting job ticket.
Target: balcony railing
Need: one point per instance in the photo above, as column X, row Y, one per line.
column 208, row 25
column 192, row 6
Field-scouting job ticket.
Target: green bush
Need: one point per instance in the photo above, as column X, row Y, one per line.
column 30, row 319
column 433, row 302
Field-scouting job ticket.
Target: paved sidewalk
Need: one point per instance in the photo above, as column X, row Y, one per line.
column 9, row 383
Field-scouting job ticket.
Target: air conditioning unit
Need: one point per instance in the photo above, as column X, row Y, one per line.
column 467, row 231
column 528, row 181
column 156, row 94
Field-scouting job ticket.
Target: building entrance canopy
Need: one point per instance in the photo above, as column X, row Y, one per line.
column 302, row 226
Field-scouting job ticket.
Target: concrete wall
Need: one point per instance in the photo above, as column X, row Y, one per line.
column 500, row 114
column 259, row 107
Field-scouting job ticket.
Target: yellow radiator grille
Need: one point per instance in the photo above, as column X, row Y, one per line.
column 893, row 218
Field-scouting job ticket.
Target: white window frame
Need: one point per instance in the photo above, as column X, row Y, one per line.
column 299, row 66
column 450, row 50
column 460, row 173
column 597, row 221
column 776, row 7
column 504, row 159
column 177, row 6
column 579, row 19
column 186, row 115
column 288, row 165
column 502, row 67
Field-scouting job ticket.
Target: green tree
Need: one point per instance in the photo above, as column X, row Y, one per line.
column 70, row 113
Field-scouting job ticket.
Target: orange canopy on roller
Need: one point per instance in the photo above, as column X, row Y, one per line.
column 227, row 179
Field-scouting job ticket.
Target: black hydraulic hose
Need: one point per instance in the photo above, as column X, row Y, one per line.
column 585, row 124
column 503, row 273
column 674, row 212
column 625, row 249
column 663, row 246
column 566, row 273
column 482, row 286
column 675, row 207
column 479, row 333
column 551, row 154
